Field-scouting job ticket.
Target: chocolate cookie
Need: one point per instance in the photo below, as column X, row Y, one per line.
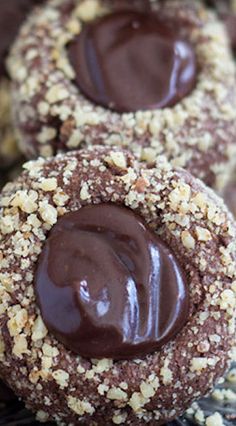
column 12, row 15
column 117, row 288
column 92, row 72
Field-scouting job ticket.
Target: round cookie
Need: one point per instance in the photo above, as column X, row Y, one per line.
column 52, row 100
column 12, row 14
column 173, row 207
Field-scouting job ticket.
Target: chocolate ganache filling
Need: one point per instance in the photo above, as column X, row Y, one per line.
column 107, row 286
column 133, row 60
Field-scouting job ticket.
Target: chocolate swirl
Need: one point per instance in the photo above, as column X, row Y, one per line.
column 107, row 286
column 131, row 60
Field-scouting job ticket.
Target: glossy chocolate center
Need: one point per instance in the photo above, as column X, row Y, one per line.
column 129, row 61
column 108, row 287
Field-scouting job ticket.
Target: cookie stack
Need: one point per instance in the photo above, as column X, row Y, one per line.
column 117, row 252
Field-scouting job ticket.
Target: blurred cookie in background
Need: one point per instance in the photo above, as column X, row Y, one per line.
column 12, row 15
column 229, row 196
column 227, row 11
column 8, row 150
